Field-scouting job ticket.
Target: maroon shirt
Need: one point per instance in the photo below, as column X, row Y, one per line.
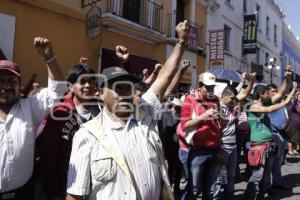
column 54, row 147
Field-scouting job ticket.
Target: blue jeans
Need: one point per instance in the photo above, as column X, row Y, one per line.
column 276, row 169
column 203, row 167
column 183, row 157
column 261, row 176
column 230, row 156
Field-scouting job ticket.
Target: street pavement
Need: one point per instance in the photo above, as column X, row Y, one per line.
column 291, row 176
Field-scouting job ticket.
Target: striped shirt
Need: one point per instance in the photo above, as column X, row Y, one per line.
column 228, row 135
column 18, row 133
column 132, row 142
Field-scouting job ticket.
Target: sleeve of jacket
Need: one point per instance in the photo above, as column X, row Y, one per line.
column 186, row 112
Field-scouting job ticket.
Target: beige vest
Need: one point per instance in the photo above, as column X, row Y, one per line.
column 166, row 191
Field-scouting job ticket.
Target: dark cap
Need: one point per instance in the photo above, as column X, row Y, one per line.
column 116, row 73
column 10, row 66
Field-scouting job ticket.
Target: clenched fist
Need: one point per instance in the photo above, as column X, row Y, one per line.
column 185, row 64
column 122, row 53
column 83, row 60
column 252, row 76
column 157, row 68
column 43, row 47
column 182, row 30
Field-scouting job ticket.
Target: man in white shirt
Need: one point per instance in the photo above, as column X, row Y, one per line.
column 19, row 119
column 118, row 155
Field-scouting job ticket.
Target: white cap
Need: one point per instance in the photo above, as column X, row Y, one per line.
column 207, row 78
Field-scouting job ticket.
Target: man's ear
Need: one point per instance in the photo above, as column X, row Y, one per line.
column 70, row 86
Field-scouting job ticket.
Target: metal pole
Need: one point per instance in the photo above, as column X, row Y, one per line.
column 272, row 74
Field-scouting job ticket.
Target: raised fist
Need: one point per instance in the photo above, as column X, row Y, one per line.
column 83, row 60
column 122, row 53
column 157, row 68
column 145, row 74
column 288, row 74
column 182, row 30
column 185, row 64
column 295, row 84
column 252, row 76
column 43, row 47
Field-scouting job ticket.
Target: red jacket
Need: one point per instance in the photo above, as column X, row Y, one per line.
column 208, row 132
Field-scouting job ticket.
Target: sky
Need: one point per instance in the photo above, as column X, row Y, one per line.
column 291, row 8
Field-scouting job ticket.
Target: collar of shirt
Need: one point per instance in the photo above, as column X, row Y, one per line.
column 115, row 125
column 11, row 113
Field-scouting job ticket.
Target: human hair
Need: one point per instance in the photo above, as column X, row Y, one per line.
column 229, row 91
column 271, row 86
column 258, row 91
column 201, row 84
column 78, row 70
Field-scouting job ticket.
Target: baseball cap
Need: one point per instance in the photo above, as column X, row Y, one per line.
column 10, row 66
column 116, row 73
column 207, row 78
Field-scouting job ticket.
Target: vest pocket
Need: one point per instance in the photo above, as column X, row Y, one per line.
column 103, row 169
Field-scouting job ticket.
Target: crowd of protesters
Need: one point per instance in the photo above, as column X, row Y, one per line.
column 116, row 136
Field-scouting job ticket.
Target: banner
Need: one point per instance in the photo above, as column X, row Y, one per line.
column 250, row 33
column 193, row 37
column 216, row 49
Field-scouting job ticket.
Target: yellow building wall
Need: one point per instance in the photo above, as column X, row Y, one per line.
column 63, row 22
column 201, row 20
column 201, row 14
column 66, row 33
column 110, row 39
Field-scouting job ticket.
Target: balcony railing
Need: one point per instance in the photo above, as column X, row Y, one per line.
column 196, row 37
column 143, row 12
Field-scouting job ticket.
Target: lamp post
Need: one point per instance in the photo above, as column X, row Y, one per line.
column 271, row 65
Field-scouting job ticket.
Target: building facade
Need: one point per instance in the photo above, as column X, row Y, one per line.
column 291, row 52
column 146, row 27
column 269, row 19
column 229, row 16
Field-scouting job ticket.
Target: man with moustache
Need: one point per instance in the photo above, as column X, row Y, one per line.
column 19, row 119
column 119, row 155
